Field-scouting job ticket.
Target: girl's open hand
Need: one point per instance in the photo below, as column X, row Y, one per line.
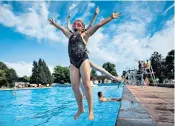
column 51, row 21
column 97, row 10
column 115, row 15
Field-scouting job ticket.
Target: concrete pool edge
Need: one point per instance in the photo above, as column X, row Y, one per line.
column 132, row 113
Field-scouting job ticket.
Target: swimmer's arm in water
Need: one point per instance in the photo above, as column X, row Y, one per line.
column 97, row 10
column 109, row 99
column 64, row 30
column 92, row 30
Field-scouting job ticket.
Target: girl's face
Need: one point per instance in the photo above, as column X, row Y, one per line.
column 77, row 26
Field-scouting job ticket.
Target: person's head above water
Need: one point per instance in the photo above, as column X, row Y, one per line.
column 100, row 94
column 78, row 26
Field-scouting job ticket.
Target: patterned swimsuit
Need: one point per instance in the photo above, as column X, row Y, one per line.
column 77, row 50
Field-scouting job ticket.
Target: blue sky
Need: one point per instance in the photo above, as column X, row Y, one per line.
column 25, row 33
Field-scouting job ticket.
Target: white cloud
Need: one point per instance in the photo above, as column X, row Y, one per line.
column 24, row 68
column 21, row 68
column 73, row 6
column 129, row 41
column 33, row 22
column 87, row 12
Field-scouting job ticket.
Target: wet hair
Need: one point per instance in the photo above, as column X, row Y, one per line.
column 99, row 94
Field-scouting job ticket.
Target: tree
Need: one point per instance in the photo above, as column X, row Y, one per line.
column 7, row 76
column 40, row 73
column 110, row 68
column 93, row 73
column 11, row 77
column 3, row 79
column 61, row 74
column 157, row 65
column 24, row 79
column 34, row 78
column 47, row 73
column 169, row 63
column 3, row 66
column 124, row 73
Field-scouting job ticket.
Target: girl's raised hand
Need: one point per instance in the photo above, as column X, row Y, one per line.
column 115, row 15
column 51, row 21
column 97, row 10
column 69, row 16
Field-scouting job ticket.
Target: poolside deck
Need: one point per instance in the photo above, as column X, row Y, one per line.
column 146, row 106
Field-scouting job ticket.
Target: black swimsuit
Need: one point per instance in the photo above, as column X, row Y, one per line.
column 77, row 50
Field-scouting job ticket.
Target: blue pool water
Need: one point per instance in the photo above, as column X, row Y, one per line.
column 56, row 107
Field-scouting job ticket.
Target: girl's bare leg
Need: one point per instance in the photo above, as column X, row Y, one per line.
column 75, row 81
column 85, row 74
column 82, row 88
column 103, row 71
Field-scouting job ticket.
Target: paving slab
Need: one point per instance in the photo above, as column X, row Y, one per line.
column 132, row 113
column 157, row 101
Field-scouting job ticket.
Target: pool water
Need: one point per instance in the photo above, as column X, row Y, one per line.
column 56, row 107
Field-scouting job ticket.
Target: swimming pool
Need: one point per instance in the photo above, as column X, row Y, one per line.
column 56, row 107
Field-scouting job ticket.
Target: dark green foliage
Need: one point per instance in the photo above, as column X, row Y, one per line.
column 7, row 76
column 3, row 79
column 156, row 62
column 93, row 73
column 11, row 77
column 61, row 75
column 34, row 78
column 40, row 73
column 110, row 68
column 24, row 79
column 163, row 68
column 169, row 64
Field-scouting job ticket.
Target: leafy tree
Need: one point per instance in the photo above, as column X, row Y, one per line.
column 169, row 63
column 61, row 74
column 3, row 66
column 158, row 65
column 93, row 73
column 24, row 79
column 47, row 73
column 3, row 79
column 34, row 78
column 40, row 73
column 124, row 73
column 7, row 76
column 110, row 68
column 11, row 77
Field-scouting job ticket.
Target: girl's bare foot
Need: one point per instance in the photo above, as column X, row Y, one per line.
column 91, row 116
column 80, row 111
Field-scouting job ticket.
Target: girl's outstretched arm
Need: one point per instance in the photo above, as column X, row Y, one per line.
column 68, row 23
column 64, row 30
column 91, row 31
column 97, row 10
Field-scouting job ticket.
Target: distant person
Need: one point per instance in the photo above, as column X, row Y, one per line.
column 148, row 64
column 103, row 99
column 140, row 65
column 146, row 82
